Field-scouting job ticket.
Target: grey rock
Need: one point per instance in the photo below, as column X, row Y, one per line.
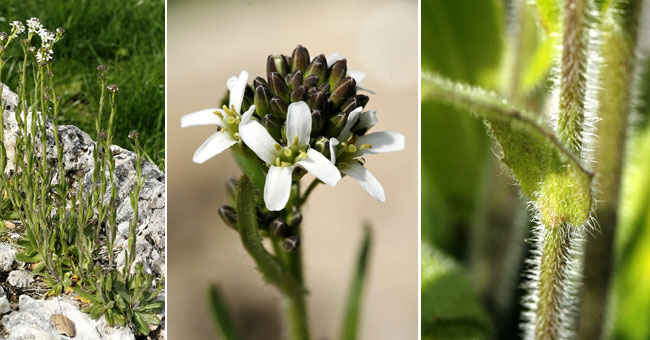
column 7, row 256
column 20, row 278
column 78, row 165
column 32, row 320
column 5, row 306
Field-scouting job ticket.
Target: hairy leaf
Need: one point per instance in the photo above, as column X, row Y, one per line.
column 548, row 173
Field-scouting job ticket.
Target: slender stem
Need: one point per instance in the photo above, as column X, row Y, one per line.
column 618, row 48
column 308, row 191
column 573, row 81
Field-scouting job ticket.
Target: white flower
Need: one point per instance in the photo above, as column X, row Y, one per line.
column 34, row 25
column 282, row 160
column 346, row 150
column 47, row 36
column 227, row 120
column 44, row 54
column 358, row 76
column 18, row 26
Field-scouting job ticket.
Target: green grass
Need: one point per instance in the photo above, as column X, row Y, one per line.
column 126, row 36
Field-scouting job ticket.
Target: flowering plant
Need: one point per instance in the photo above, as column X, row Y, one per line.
column 306, row 116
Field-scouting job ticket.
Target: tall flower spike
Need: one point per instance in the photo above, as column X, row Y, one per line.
column 227, row 120
column 282, row 160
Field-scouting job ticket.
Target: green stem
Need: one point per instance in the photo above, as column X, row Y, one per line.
column 308, row 192
column 619, row 37
column 573, row 82
column 552, row 308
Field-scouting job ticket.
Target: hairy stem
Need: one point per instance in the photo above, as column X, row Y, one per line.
column 553, row 274
column 573, row 80
column 553, row 296
column 618, row 48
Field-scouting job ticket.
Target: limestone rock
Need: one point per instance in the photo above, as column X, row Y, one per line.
column 7, row 256
column 5, row 306
column 32, row 320
column 20, row 278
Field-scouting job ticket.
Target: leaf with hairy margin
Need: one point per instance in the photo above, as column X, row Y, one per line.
column 547, row 171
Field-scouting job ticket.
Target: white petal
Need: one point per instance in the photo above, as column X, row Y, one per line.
column 277, row 187
column 321, row 167
column 247, row 115
column 382, row 142
column 333, row 143
column 352, row 119
column 358, row 76
column 258, row 139
column 332, row 58
column 367, row 120
column 213, row 146
column 298, row 123
column 237, row 87
column 203, row 117
column 367, row 181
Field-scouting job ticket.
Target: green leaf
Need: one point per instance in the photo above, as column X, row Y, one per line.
column 86, row 295
column 152, row 306
column 353, row 308
column 249, row 232
column 450, row 307
column 547, row 171
column 140, row 323
column 539, row 64
column 222, row 314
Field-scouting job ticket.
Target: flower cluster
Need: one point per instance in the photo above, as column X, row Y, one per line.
column 305, row 116
column 48, row 38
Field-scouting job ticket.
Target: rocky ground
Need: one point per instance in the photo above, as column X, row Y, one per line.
column 27, row 314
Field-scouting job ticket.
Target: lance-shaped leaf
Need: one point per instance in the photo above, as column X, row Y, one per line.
column 353, row 307
column 222, row 314
column 547, row 171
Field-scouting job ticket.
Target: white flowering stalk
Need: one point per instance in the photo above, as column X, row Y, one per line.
column 305, row 117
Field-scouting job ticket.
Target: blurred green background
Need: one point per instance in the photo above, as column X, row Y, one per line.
column 126, row 36
column 474, row 220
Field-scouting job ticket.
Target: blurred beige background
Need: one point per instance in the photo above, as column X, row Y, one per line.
column 210, row 41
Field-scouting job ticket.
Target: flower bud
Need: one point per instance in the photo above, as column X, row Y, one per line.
column 262, row 100
column 318, row 66
column 294, row 79
column 299, row 59
column 279, row 107
column 277, row 63
column 229, row 216
column 338, row 71
column 325, row 88
column 294, row 218
column 299, row 94
column 260, row 81
column 272, row 125
column 344, row 89
column 249, row 98
column 354, row 102
column 318, row 101
column 317, row 123
column 278, row 228
column 310, row 81
column 231, row 189
column 322, row 145
column 336, row 123
column 278, row 86
column 291, row 243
